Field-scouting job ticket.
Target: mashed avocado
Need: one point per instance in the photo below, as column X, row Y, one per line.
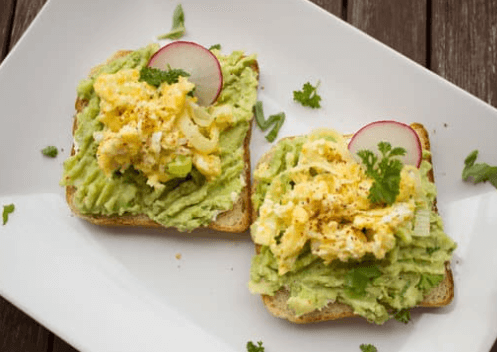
column 184, row 202
column 375, row 288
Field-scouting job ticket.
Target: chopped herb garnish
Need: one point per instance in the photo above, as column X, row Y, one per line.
column 358, row 278
column 277, row 120
column 386, row 173
column 7, row 209
column 251, row 347
column 215, row 46
column 479, row 172
column 155, row 76
column 429, row 281
column 308, row 96
column 50, row 151
column 368, row 348
column 403, row 315
column 178, row 28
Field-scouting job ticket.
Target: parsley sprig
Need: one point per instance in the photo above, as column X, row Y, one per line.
column 386, row 172
column 403, row 315
column 479, row 172
column 251, row 347
column 368, row 348
column 155, row 76
column 308, row 95
column 277, row 120
column 178, row 28
column 50, row 151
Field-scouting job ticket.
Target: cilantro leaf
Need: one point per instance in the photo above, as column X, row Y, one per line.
column 429, row 281
column 368, row 348
column 155, row 76
column 479, row 172
column 7, row 209
column 308, row 95
column 251, row 347
column 215, row 46
column 277, row 120
column 178, row 28
column 50, row 151
column 386, row 173
column 358, row 278
column 403, row 315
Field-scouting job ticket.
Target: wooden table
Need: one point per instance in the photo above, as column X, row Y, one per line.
column 456, row 39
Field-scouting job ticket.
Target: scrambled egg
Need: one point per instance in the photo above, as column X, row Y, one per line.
column 160, row 131
column 323, row 200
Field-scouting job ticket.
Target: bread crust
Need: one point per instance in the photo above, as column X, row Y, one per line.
column 236, row 220
column 439, row 296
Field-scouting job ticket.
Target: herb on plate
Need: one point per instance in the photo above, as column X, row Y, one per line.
column 155, row 76
column 7, row 209
column 277, row 120
column 251, row 347
column 178, row 28
column 385, row 173
column 50, row 151
column 479, row 172
column 368, row 348
column 308, row 96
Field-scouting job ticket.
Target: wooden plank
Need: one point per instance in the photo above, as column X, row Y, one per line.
column 18, row 332
column 464, row 45
column 400, row 24
column 25, row 12
column 6, row 16
column 333, row 6
column 60, row 345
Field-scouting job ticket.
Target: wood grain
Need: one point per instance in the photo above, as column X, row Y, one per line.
column 6, row 17
column 464, row 45
column 19, row 332
column 332, row 6
column 25, row 12
column 400, row 24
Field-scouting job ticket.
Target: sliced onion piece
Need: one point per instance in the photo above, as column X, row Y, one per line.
column 197, row 139
column 200, row 116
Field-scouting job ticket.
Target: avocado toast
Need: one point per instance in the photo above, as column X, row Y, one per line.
column 302, row 280
column 125, row 197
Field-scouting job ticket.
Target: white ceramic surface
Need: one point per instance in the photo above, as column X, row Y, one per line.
column 124, row 290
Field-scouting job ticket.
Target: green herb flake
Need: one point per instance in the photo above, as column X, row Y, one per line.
column 403, row 315
column 358, row 278
column 156, row 77
column 7, row 209
column 251, row 347
column 386, row 173
column 368, row 348
column 178, row 28
column 276, row 121
column 308, row 96
column 50, row 151
column 429, row 281
column 431, row 250
column 479, row 172
column 215, row 46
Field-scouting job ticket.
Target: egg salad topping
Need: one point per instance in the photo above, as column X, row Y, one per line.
column 161, row 132
column 323, row 201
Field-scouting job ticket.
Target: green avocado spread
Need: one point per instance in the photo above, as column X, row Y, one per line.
column 376, row 289
column 185, row 202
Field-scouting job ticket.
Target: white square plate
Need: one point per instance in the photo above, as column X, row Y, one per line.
column 124, row 290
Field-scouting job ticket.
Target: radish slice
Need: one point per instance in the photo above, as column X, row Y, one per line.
column 396, row 133
column 203, row 67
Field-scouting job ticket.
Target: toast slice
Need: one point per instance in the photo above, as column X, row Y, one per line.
column 236, row 220
column 439, row 296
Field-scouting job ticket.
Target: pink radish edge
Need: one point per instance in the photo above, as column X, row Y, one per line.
column 400, row 124
column 157, row 54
